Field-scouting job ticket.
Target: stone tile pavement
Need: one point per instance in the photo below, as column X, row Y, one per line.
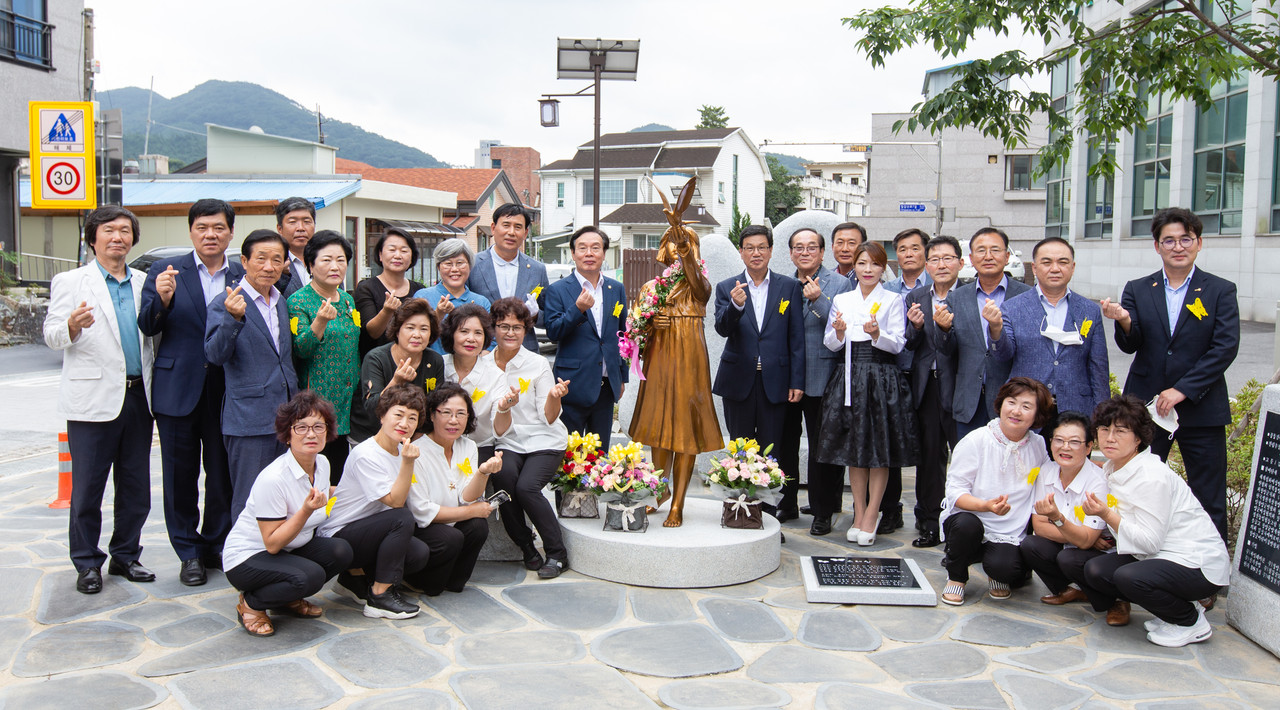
column 511, row 640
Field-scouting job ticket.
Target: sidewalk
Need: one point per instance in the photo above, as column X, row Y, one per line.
column 511, row 640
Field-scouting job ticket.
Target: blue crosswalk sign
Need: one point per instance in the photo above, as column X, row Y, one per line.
column 62, row 132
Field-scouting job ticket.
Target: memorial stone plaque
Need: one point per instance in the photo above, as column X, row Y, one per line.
column 866, row 580
column 1260, row 536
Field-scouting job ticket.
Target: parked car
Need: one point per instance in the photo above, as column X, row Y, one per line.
column 144, row 261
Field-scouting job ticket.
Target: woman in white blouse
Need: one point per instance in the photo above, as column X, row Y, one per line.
column 989, row 493
column 272, row 553
column 1168, row 552
column 868, row 417
column 1065, row 538
column 466, row 337
column 447, row 492
column 531, row 438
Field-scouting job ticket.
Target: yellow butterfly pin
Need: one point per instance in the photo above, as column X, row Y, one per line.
column 537, row 291
column 293, row 325
column 477, row 394
column 524, row 385
column 782, row 306
column 355, row 317
column 465, row 466
column 875, row 307
column 1111, row 501
column 1084, row 328
column 429, row 384
column 413, row 479
column 328, row 507
column 1079, row 510
column 617, row 309
column 1032, row 475
column 1197, row 309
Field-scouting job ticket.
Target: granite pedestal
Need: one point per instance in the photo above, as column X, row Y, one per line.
column 1255, row 573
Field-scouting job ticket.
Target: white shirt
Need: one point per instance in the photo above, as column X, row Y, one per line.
column 484, row 385
column 277, row 494
column 506, row 272
column 267, row 307
column 299, row 270
column 759, row 296
column 1161, row 519
column 366, row 479
column 439, row 482
column 1174, row 297
column 529, row 430
column 977, row 469
column 1090, row 479
column 856, row 310
column 213, row 283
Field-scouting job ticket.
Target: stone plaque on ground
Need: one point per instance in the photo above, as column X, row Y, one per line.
column 1255, row 577
column 866, row 580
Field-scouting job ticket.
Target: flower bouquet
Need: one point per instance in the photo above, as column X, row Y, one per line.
column 746, row 478
column 625, row 482
column 650, row 302
column 572, row 499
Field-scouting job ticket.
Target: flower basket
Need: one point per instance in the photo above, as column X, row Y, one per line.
column 625, row 513
column 746, row 478
column 625, row 482
column 577, row 504
column 573, row 500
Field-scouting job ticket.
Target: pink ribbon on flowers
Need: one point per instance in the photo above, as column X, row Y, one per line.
column 629, row 350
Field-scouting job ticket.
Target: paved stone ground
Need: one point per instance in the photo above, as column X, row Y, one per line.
column 511, row 640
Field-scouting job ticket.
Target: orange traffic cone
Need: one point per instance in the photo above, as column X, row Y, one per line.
column 64, row 474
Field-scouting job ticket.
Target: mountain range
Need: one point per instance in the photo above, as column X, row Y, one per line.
column 178, row 124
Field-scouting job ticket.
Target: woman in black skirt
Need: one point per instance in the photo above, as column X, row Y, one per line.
column 868, row 422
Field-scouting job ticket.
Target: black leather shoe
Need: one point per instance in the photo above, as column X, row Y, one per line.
column 928, row 539
column 890, row 523
column 532, row 558
column 806, row 510
column 213, row 561
column 821, row 525
column 192, row 573
column 134, row 571
column 786, row 515
column 553, row 568
column 89, row 581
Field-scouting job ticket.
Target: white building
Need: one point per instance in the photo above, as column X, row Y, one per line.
column 1223, row 164
column 838, row 188
column 730, row 170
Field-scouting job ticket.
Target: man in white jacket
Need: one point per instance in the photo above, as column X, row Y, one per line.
column 106, row 378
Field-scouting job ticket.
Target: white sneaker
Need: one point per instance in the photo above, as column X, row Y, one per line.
column 1155, row 623
column 1175, row 636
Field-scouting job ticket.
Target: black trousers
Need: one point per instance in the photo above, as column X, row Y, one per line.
column 454, row 551
column 1000, row 560
column 523, row 476
column 185, row 442
column 597, row 418
column 120, row 448
column 1204, row 452
column 272, row 581
column 384, row 547
column 826, row 481
column 757, row 418
column 937, row 439
column 336, row 452
column 1164, row 588
column 1056, row 564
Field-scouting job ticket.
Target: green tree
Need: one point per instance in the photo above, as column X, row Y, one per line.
column 712, row 117
column 741, row 220
column 1179, row 48
column 782, row 193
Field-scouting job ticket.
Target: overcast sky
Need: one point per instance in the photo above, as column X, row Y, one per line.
column 440, row 76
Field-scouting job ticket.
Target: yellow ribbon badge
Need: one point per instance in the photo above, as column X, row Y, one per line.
column 293, row 325
column 537, row 291
column 875, row 307
column 413, row 479
column 782, row 306
column 477, row 394
column 1079, row 514
column 429, row 384
column 1197, row 309
column 1032, row 475
column 465, row 466
column 328, row 507
column 1111, row 501
column 524, row 385
column 355, row 317
column 1084, row 328
column 617, row 309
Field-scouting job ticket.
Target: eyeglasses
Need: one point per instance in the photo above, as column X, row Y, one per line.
column 508, row 328
column 1067, row 443
column 756, row 249
column 992, row 251
column 1184, row 242
column 810, row 249
column 304, row 429
column 939, row 260
column 460, row 414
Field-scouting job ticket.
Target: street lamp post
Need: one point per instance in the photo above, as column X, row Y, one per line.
column 593, row 59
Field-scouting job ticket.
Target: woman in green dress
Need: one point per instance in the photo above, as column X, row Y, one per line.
column 326, row 329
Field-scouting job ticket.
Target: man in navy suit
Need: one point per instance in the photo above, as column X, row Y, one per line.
column 505, row 271
column 933, row 381
column 188, row 391
column 762, row 366
column 976, row 309
column 257, row 360
column 1183, row 324
column 584, row 316
column 1049, row 335
column 296, row 222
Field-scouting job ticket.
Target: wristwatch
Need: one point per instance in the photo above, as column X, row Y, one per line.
column 1058, row 522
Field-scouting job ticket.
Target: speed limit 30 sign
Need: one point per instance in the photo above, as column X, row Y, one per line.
column 62, row 155
column 63, row 177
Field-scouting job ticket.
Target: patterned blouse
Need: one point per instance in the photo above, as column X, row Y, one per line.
column 330, row 365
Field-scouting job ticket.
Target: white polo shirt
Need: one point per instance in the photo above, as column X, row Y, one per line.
column 277, row 494
column 529, row 430
column 366, row 479
column 439, row 482
column 1091, row 479
column 484, row 385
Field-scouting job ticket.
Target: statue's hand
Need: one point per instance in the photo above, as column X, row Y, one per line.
column 661, row 321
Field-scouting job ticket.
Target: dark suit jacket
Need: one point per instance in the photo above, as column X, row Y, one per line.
column 779, row 345
column 582, row 349
column 925, row 345
column 180, row 368
column 287, row 284
column 533, row 273
column 1195, row 359
column 1076, row 375
column 966, row 346
column 259, row 377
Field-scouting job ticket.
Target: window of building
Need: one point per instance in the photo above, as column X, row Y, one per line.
column 1019, row 171
column 1275, row 175
column 1152, row 147
column 1099, row 202
column 559, row 194
column 1057, row 206
column 815, row 173
column 735, row 180
column 853, row 181
column 646, row 241
column 495, row 163
column 720, row 192
column 1218, row 180
column 612, row 192
column 25, row 35
column 838, row 177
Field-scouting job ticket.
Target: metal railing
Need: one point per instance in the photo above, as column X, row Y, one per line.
column 25, row 39
column 40, row 268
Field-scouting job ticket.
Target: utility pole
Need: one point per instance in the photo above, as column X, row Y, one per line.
column 319, row 123
column 146, row 140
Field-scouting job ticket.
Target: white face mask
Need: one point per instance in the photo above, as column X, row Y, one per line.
column 1062, row 337
column 1169, row 423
